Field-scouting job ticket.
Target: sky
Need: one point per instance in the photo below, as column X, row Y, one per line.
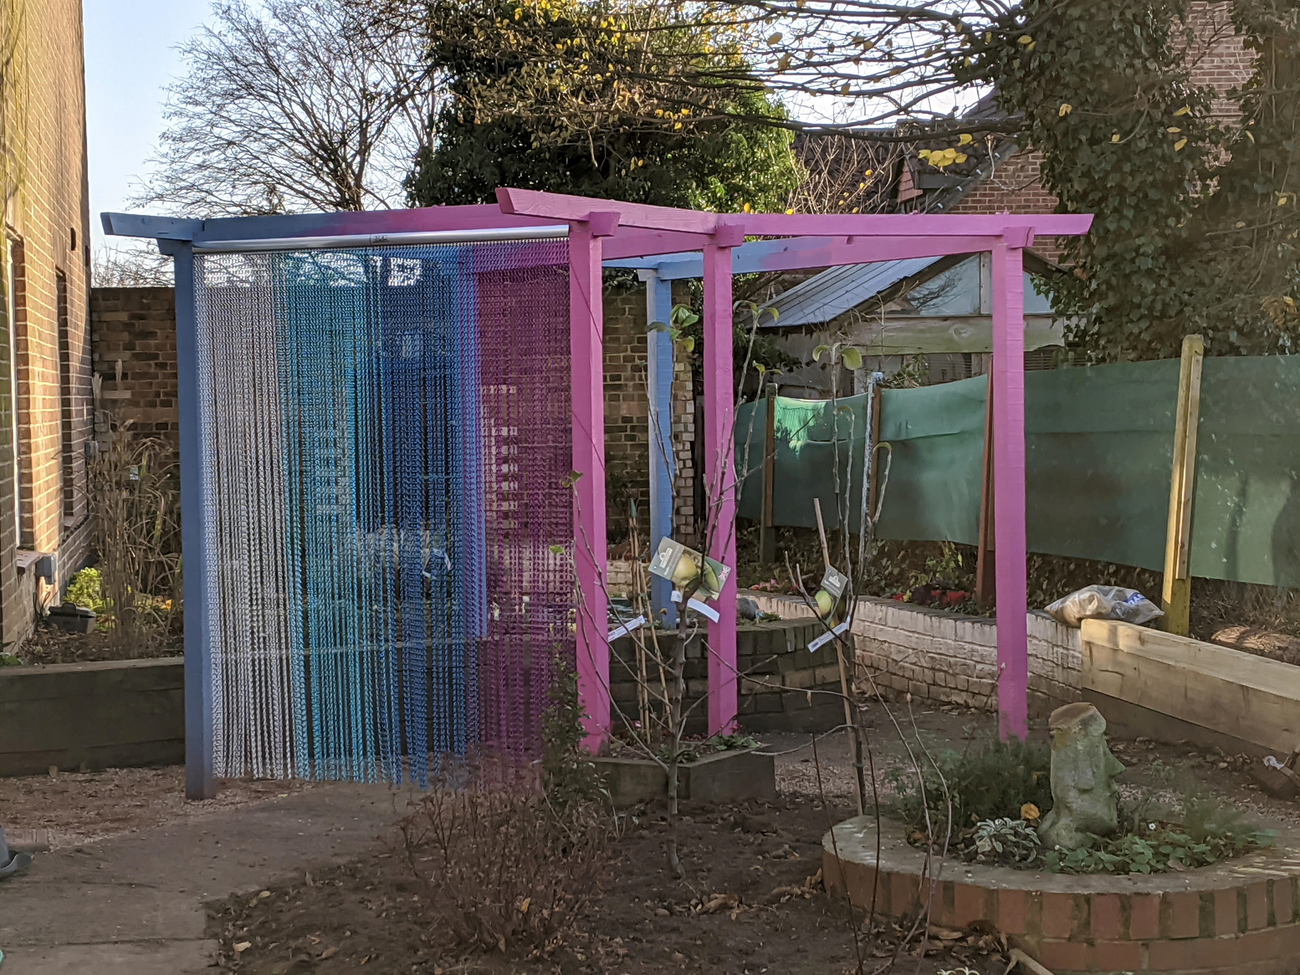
column 130, row 58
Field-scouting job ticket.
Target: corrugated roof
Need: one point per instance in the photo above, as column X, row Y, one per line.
column 830, row 294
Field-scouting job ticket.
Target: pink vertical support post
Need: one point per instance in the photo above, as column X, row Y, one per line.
column 720, row 474
column 587, row 375
column 1008, row 281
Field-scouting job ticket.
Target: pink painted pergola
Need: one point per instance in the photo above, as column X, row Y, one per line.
column 601, row 230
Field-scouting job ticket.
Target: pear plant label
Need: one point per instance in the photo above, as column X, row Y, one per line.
column 834, row 582
column 682, row 566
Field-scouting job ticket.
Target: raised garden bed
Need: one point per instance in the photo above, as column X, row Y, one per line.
column 1240, row 915
column 93, row 715
column 726, row 776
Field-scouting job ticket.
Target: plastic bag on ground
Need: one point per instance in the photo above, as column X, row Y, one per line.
column 1104, row 603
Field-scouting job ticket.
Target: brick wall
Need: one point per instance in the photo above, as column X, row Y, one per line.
column 47, row 227
column 133, row 331
column 134, row 347
column 627, row 424
column 949, row 658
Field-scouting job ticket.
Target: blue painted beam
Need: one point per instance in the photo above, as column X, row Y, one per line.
column 663, row 466
column 147, row 225
column 200, row 782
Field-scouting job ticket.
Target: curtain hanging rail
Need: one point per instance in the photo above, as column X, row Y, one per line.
column 381, row 240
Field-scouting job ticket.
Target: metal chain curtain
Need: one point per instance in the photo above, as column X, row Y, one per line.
column 386, row 436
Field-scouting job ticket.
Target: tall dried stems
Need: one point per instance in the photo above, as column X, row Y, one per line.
column 135, row 507
column 503, row 869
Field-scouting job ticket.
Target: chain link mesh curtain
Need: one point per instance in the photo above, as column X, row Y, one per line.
column 386, row 434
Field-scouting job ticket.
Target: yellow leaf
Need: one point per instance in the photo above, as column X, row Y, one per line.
column 523, row 908
column 1173, row 128
column 1179, row 145
column 1031, row 45
column 1025, row 39
column 775, row 38
column 242, row 947
column 1283, row 199
column 748, row 208
column 1183, row 111
column 784, row 63
column 1065, row 109
column 924, row 153
column 1029, row 812
column 961, row 157
column 1115, row 137
column 845, row 88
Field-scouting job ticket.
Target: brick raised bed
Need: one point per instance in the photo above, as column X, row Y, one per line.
column 1241, row 917
column 780, row 673
column 106, row 714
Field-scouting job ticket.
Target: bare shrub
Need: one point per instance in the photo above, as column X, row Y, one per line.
column 135, row 504
column 502, row 868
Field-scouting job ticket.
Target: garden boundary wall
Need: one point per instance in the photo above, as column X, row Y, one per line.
column 947, row 657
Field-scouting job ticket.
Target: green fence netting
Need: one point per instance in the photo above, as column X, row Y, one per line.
column 1099, row 445
column 813, row 438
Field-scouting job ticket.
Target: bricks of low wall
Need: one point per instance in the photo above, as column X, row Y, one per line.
column 1240, row 917
column 778, row 693
column 949, row 657
column 105, row 714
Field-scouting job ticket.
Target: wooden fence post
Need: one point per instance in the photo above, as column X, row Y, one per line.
column 1176, row 593
column 767, row 536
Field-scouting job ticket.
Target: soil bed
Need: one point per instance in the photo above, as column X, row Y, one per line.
column 52, row 645
column 763, row 858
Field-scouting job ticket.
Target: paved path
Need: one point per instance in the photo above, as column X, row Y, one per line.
column 134, row 903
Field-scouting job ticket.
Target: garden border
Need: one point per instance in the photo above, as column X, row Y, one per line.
column 1239, row 917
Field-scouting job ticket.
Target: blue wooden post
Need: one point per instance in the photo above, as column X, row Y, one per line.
column 200, row 783
column 663, row 466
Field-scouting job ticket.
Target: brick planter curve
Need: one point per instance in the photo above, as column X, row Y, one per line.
column 1239, row 917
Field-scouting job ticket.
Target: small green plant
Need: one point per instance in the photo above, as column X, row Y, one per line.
column 1160, row 849
column 990, row 781
column 86, row 589
column 569, row 775
column 1009, row 841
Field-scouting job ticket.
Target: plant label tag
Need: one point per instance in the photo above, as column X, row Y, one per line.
column 696, row 605
column 626, row 628
column 682, row 566
column 834, row 582
column 825, row 638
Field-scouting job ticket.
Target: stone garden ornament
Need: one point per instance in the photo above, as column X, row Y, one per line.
column 1083, row 779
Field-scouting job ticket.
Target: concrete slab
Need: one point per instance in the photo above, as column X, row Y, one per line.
column 135, row 903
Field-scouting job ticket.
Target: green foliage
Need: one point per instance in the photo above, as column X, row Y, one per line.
column 989, row 781
column 568, row 773
column 1196, row 216
column 586, row 96
column 1009, row 841
column 86, row 589
column 1160, row 849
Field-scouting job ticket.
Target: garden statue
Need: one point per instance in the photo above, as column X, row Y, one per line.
column 1083, row 778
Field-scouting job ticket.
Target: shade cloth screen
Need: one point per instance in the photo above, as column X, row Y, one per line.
column 385, row 441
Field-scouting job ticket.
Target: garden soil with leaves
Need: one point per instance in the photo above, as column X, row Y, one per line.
column 752, row 902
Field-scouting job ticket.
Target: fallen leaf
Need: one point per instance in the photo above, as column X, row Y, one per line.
column 329, row 953
column 366, row 959
column 719, row 902
column 242, row 947
column 523, row 908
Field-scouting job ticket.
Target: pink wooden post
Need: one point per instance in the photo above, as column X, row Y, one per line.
column 586, row 320
column 720, row 474
column 1008, row 281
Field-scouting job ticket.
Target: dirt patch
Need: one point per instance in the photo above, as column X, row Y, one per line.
column 72, row 808
column 52, row 645
column 752, row 903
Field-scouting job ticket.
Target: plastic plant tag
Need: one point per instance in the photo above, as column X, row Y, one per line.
column 825, row 638
column 834, row 582
column 626, row 628
column 698, row 606
column 681, row 566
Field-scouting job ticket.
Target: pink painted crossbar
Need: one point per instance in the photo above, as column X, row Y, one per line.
column 817, row 241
